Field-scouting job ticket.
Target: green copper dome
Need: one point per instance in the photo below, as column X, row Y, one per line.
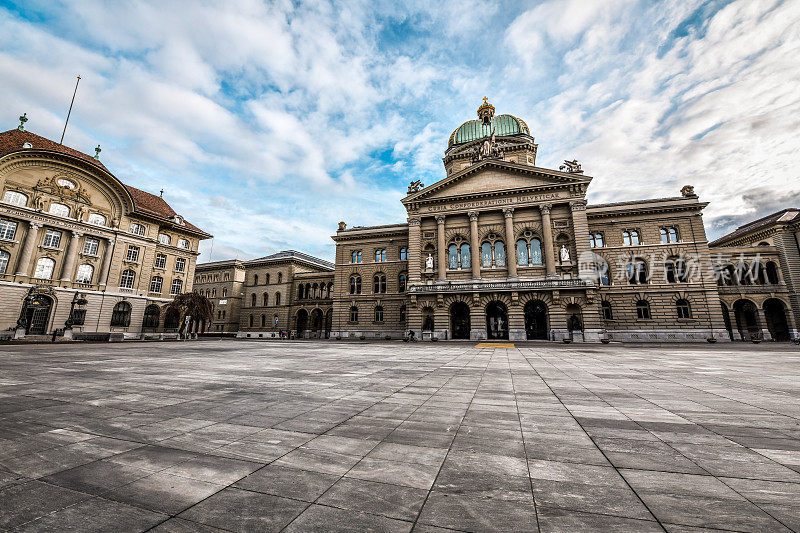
column 472, row 130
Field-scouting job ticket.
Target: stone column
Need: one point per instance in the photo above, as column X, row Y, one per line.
column 580, row 226
column 474, row 247
column 24, row 263
column 511, row 255
column 109, row 252
column 413, row 250
column 547, row 236
column 72, row 254
column 441, row 252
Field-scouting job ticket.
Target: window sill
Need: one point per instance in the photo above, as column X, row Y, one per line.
column 161, row 268
column 84, row 254
column 154, row 292
column 51, row 248
column 10, row 241
column 178, row 271
column 129, row 262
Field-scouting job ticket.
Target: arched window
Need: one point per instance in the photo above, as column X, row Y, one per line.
column 265, row 299
column 275, row 320
column 263, row 321
column 675, row 270
column 4, row 257
column 380, row 255
column 499, row 254
column 355, row 256
column 378, row 313
column 522, row 252
column 643, row 310
column 300, row 291
column 401, row 282
column 452, row 256
column 44, row 268
column 121, row 315
column 355, row 285
column 772, row 273
column 85, row 274
column 631, row 238
column 669, row 235
column 163, row 238
column 637, row 271
column 280, row 277
column 97, row 219
column 354, row 314
column 266, row 279
column 403, row 313
column 177, row 287
column 157, row 284
column 608, row 312
column 224, row 293
column 403, row 254
column 251, row 321
column 253, row 300
column 315, row 291
column 683, row 308
column 379, row 284
column 277, row 298
column 743, row 274
column 458, row 254
column 596, row 240
column 465, row 257
column 127, row 279
column 151, row 316
column 255, row 279
column 60, row 210
column 330, row 290
column 493, row 252
column 15, row 198
column 486, row 255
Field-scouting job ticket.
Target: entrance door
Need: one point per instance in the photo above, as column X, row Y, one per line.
column 496, row 321
column 459, row 320
column 302, row 322
column 536, row 320
column 38, row 315
column 775, row 315
column 746, row 319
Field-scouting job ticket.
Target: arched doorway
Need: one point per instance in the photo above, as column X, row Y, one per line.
column 427, row 319
column 152, row 314
column 536, row 320
column 746, row 315
column 775, row 316
column 37, row 314
column 496, row 321
column 459, row 320
column 574, row 320
column 172, row 319
column 302, row 322
column 317, row 322
column 726, row 318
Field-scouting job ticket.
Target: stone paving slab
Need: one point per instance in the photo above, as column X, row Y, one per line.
column 330, row 436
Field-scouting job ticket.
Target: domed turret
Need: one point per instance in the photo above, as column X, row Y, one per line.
column 487, row 122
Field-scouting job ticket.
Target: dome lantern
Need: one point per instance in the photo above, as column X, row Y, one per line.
column 486, row 111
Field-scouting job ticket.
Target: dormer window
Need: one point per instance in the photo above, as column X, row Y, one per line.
column 60, row 210
column 97, row 219
column 183, row 243
column 177, row 219
column 164, row 239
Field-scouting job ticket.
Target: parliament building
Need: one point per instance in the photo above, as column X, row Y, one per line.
column 501, row 248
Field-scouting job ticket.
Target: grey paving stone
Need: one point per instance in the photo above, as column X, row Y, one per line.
column 323, row 518
column 214, row 469
column 414, row 475
column 393, row 501
column 96, row 515
column 28, row 501
column 470, row 513
column 553, row 520
column 294, row 483
column 240, row 510
column 164, row 493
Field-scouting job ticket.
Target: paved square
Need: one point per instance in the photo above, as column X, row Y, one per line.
column 266, row 436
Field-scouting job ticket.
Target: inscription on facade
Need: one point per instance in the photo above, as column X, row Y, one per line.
column 496, row 202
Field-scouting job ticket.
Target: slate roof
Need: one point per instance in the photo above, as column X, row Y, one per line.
column 294, row 254
column 144, row 202
column 753, row 226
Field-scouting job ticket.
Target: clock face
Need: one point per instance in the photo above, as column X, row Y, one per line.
column 67, row 184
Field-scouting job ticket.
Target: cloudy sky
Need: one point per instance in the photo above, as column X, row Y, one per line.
column 267, row 123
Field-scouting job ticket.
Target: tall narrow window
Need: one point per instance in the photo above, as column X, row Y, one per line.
column 133, row 254
column 379, row 284
column 643, row 310
column 522, row 252
column 354, row 314
column 403, row 254
column 486, row 255
column 4, row 257
column 126, row 279
column 121, row 315
column 401, row 282
column 253, row 300
column 180, row 264
column 536, row 252
column 637, row 271
column 683, row 308
column 378, row 314
column 608, row 312
column 499, row 254
column 355, row 285
column 161, row 261
column 265, row 299
column 452, row 257
column 465, row 256
column 277, row 298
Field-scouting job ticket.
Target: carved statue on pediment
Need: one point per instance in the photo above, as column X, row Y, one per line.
column 80, row 211
column 38, row 202
column 415, row 186
column 489, row 148
column 571, row 167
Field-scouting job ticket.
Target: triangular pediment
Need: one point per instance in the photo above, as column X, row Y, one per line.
column 496, row 175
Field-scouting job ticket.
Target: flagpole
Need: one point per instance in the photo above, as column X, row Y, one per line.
column 70, row 110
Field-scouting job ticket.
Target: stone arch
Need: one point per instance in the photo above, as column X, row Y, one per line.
column 484, row 231
column 543, row 296
column 776, row 312
column 497, row 325
column 452, row 234
column 521, row 228
column 746, row 317
column 486, row 299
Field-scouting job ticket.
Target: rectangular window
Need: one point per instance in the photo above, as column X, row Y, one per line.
column 161, row 261
column 8, row 229
column 156, row 284
column 180, row 264
column 91, row 246
column 52, row 238
column 177, row 287
column 133, row 254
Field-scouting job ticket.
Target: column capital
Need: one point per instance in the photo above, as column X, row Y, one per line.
column 440, row 219
column 473, row 216
column 111, row 240
column 414, row 221
column 578, row 205
column 77, row 234
column 545, row 208
column 35, row 225
column 508, row 212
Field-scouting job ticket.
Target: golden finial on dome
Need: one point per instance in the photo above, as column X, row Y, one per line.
column 486, row 111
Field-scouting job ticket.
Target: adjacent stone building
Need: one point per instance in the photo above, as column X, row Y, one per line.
column 77, row 244
column 222, row 282
column 501, row 248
